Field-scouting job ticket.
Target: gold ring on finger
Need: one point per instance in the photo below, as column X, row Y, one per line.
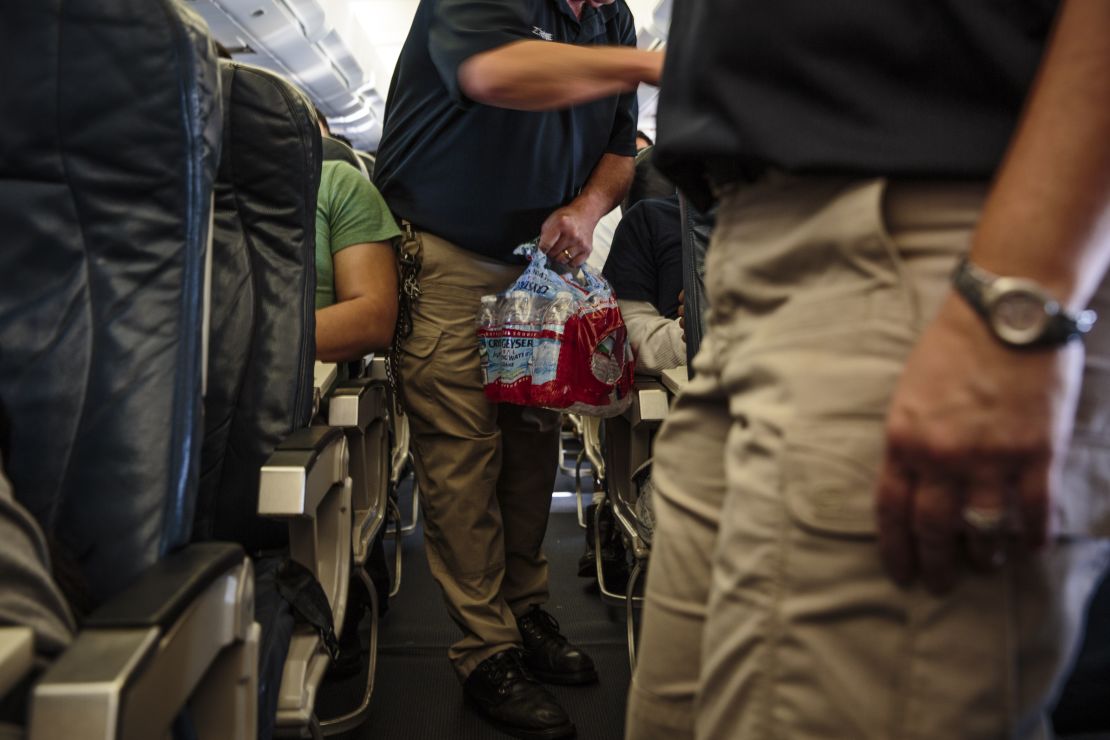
column 985, row 521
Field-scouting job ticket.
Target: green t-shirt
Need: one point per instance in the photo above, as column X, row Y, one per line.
column 349, row 211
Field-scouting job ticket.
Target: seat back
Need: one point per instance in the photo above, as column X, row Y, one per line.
column 105, row 200
column 368, row 161
column 262, row 342
column 647, row 182
column 336, row 150
column 696, row 230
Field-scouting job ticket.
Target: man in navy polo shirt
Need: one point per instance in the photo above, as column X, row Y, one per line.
column 506, row 121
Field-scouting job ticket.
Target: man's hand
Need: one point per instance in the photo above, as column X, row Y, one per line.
column 567, row 235
column 975, row 433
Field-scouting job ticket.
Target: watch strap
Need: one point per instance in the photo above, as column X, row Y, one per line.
column 975, row 285
column 972, row 283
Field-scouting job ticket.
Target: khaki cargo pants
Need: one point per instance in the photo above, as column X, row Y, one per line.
column 485, row 470
column 768, row 614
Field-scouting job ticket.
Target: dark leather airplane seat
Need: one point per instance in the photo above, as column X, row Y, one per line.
column 109, row 138
column 336, row 150
column 262, row 338
column 368, row 161
column 105, row 196
column 697, row 228
column 647, row 182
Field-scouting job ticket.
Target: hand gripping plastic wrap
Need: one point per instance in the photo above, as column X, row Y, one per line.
column 555, row 341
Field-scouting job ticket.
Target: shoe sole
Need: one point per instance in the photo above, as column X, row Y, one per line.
column 582, row 678
column 562, row 732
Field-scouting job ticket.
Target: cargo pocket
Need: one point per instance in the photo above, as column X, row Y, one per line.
column 417, row 364
column 829, row 471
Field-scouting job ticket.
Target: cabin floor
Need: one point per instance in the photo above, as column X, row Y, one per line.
column 416, row 694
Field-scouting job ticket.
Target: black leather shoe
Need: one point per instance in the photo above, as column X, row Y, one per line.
column 508, row 696
column 548, row 654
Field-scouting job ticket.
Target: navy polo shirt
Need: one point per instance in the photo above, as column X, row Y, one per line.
column 904, row 88
column 481, row 177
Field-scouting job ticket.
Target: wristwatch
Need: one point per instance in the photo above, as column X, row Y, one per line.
column 1018, row 311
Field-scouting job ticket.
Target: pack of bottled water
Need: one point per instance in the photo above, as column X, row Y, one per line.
column 555, row 340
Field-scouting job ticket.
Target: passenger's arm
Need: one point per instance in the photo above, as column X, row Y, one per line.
column 972, row 423
column 362, row 319
column 656, row 340
column 544, row 75
column 571, row 227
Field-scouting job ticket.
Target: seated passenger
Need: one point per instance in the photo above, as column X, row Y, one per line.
column 607, row 226
column 356, row 310
column 356, row 271
column 645, row 270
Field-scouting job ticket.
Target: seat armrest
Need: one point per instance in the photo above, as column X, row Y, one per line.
column 301, row 472
column 360, row 408
column 127, row 675
column 649, row 402
column 324, row 376
column 306, row 483
column 675, row 379
column 356, row 403
column 167, row 588
column 377, row 369
column 17, row 656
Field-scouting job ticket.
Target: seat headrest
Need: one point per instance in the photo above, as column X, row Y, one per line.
column 368, row 161
column 109, row 134
column 648, row 181
column 336, row 150
column 262, row 343
column 697, row 229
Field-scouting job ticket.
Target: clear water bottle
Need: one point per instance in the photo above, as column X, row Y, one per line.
column 548, row 347
column 517, row 309
column 556, row 315
column 488, row 352
column 487, row 312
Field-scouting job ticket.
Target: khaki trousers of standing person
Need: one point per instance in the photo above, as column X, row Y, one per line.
column 768, row 614
column 486, row 471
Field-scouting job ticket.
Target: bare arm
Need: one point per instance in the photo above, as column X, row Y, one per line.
column 571, row 228
column 544, row 75
column 362, row 319
column 1048, row 216
column 974, row 425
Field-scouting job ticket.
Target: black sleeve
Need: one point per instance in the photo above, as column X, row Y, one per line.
column 622, row 140
column 462, row 28
column 630, row 268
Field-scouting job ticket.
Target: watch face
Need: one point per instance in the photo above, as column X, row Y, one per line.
column 1019, row 316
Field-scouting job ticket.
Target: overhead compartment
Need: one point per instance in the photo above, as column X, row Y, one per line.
column 296, row 39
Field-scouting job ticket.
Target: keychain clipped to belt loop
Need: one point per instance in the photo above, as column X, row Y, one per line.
column 408, row 263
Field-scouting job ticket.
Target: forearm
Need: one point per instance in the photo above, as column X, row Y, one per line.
column 656, row 340
column 352, row 329
column 544, row 75
column 607, row 185
column 1048, row 215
